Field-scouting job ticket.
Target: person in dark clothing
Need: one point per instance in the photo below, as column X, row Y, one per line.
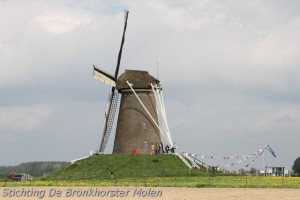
column 172, row 150
column 167, row 149
column 162, row 147
column 158, row 149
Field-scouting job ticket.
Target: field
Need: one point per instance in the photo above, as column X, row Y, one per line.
column 164, row 175
column 182, row 181
column 129, row 193
column 149, row 171
column 174, row 188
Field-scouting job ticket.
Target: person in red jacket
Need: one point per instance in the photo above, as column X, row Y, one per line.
column 10, row 175
column 134, row 152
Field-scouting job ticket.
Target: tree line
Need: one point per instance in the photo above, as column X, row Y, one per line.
column 296, row 166
column 33, row 168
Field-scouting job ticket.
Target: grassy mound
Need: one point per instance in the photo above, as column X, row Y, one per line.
column 124, row 166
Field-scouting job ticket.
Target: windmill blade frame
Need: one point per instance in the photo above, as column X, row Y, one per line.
column 113, row 96
column 109, row 116
column 104, row 77
column 126, row 12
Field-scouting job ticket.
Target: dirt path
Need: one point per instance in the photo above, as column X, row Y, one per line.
column 86, row 193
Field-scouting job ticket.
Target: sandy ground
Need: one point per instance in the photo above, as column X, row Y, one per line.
column 86, row 193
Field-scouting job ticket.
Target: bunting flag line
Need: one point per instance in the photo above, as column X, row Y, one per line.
column 239, row 158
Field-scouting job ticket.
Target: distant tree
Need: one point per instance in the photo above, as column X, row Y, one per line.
column 241, row 171
column 252, row 171
column 33, row 168
column 296, row 166
column 56, row 166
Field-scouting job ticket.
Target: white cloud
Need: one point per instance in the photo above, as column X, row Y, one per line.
column 279, row 120
column 23, row 117
column 61, row 22
column 280, row 47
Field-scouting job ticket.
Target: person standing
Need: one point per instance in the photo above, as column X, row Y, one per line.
column 10, row 175
column 162, row 148
column 158, row 149
column 167, row 148
column 152, row 149
column 134, row 152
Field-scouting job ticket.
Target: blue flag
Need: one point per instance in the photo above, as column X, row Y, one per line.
column 271, row 150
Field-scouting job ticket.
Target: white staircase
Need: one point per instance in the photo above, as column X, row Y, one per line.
column 183, row 160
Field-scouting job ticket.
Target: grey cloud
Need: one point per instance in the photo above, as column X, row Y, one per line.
column 229, row 72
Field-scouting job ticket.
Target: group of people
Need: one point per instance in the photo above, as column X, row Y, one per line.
column 159, row 148
column 156, row 149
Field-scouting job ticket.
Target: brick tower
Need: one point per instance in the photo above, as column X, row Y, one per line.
column 135, row 129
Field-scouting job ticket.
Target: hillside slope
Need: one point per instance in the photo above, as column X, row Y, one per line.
column 121, row 166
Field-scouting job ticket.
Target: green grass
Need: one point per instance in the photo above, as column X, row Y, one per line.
column 183, row 181
column 147, row 170
column 124, row 166
column 3, row 176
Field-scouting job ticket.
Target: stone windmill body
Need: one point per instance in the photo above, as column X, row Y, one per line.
column 141, row 118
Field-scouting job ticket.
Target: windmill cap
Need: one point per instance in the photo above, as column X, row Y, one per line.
column 139, row 80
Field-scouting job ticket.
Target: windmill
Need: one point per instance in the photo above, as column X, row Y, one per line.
column 141, row 119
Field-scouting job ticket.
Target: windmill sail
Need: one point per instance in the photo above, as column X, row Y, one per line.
column 122, row 43
column 109, row 119
column 113, row 97
column 104, row 77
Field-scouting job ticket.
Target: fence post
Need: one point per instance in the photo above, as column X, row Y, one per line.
column 111, row 174
column 145, row 181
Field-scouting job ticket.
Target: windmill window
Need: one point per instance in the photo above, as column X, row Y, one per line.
column 144, row 126
column 146, row 144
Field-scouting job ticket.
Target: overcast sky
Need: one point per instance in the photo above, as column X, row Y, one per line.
column 229, row 69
